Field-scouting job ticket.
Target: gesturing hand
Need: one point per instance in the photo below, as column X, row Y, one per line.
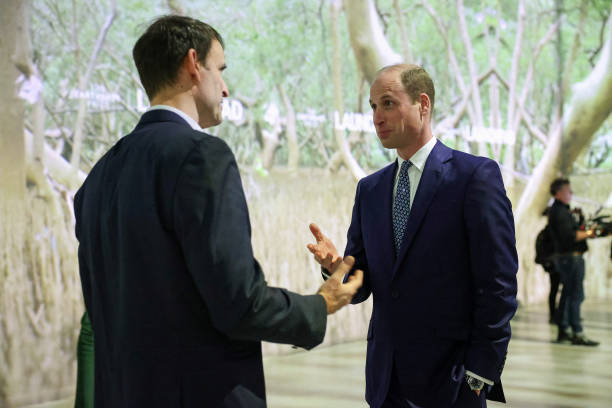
column 336, row 293
column 324, row 250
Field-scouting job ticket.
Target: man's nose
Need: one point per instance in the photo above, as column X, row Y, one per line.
column 224, row 90
column 377, row 117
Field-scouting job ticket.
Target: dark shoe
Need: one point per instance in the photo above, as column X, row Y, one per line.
column 564, row 337
column 582, row 340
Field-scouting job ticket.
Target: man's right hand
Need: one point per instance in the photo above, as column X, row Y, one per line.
column 336, row 293
column 324, row 250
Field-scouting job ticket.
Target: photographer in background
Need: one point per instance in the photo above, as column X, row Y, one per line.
column 548, row 264
column 570, row 244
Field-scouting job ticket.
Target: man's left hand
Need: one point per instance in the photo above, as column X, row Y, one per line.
column 324, row 250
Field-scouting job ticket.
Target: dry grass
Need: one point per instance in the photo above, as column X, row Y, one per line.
column 281, row 206
column 41, row 301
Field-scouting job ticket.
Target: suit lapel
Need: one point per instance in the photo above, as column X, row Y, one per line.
column 380, row 201
column 428, row 185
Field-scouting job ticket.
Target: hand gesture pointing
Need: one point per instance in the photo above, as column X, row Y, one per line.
column 324, row 250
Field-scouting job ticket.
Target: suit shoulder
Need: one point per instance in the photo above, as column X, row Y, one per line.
column 374, row 177
column 471, row 162
column 207, row 143
column 468, row 157
column 215, row 144
column 176, row 142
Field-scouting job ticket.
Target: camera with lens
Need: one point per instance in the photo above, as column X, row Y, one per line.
column 602, row 225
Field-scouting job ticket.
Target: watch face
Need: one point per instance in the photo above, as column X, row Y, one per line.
column 474, row 383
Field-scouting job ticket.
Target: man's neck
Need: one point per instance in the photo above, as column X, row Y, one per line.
column 181, row 101
column 407, row 152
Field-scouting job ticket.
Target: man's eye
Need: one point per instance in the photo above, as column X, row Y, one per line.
column 387, row 103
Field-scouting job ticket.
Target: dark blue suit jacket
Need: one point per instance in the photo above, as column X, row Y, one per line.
column 177, row 302
column 444, row 304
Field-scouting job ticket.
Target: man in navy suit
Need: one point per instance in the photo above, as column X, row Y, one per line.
column 177, row 302
column 434, row 234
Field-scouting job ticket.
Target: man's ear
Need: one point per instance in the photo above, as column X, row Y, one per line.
column 425, row 107
column 191, row 64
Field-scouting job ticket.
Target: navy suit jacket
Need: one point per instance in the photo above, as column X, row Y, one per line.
column 177, row 302
column 444, row 304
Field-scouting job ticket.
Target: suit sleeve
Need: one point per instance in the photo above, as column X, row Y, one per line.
column 493, row 263
column 213, row 229
column 355, row 248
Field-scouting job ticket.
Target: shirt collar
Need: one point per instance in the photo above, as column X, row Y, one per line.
column 194, row 125
column 561, row 203
column 420, row 157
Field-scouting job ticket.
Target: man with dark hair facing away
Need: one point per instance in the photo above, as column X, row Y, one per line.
column 177, row 302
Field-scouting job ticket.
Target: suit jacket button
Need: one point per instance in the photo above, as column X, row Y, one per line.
column 394, row 294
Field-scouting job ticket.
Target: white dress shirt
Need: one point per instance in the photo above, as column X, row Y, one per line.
column 179, row 112
column 416, row 170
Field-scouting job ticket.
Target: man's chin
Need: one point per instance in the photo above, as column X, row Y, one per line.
column 210, row 123
column 387, row 143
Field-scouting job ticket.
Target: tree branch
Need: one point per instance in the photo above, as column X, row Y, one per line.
column 451, row 53
column 343, row 145
column 403, row 36
column 175, row 7
column 533, row 130
column 590, row 105
column 516, row 55
column 84, row 82
column 569, row 63
column 465, row 36
column 290, row 129
column 530, row 71
column 370, row 46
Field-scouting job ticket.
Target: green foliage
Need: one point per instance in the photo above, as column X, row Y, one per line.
column 272, row 43
column 64, row 34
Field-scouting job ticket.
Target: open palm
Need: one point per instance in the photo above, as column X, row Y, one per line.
column 324, row 250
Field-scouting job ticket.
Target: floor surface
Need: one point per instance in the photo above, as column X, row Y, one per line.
column 538, row 372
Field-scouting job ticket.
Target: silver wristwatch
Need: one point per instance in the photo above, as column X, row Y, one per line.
column 474, row 383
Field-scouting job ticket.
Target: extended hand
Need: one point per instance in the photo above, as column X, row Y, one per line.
column 338, row 294
column 324, row 250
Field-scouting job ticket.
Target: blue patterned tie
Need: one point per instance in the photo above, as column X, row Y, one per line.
column 401, row 205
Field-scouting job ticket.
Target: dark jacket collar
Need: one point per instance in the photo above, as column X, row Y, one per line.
column 559, row 203
column 161, row 115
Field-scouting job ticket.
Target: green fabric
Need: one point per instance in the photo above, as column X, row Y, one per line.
column 85, row 366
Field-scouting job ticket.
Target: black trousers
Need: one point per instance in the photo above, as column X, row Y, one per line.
column 555, row 279
column 396, row 397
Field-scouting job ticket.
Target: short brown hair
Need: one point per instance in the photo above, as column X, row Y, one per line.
column 557, row 185
column 159, row 52
column 415, row 81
